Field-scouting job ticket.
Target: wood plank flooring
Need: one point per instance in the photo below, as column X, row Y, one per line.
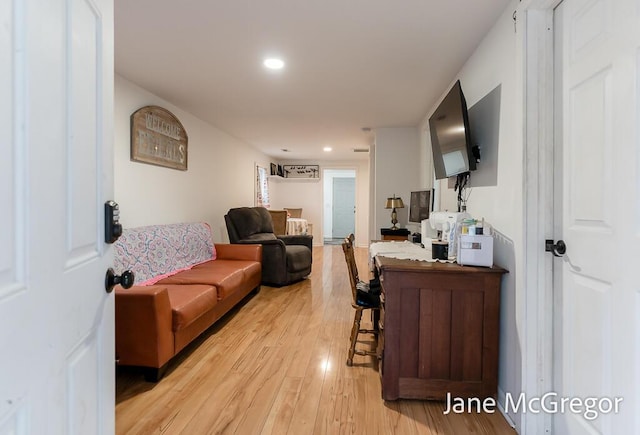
column 277, row 365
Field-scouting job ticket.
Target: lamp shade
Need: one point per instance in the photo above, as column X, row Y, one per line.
column 394, row 202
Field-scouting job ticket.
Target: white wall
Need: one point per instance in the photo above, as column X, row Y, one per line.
column 425, row 167
column 495, row 62
column 396, row 164
column 220, row 175
column 426, row 172
column 309, row 195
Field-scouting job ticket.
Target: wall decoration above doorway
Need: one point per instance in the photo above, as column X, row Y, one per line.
column 158, row 138
column 301, row 171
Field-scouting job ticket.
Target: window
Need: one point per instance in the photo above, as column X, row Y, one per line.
column 262, row 187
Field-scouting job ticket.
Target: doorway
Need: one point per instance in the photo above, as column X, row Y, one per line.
column 595, row 304
column 339, row 204
column 583, row 310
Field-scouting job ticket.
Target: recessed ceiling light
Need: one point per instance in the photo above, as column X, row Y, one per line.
column 327, row 149
column 273, row 63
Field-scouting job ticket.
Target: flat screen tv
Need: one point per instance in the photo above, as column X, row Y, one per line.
column 450, row 138
column 419, row 206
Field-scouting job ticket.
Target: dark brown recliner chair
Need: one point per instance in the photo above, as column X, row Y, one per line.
column 285, row 259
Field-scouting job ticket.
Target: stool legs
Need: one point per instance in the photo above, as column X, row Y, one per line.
column 355, row 330
column 354, row 335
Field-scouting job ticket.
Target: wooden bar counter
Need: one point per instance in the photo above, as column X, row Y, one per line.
column 440, row 329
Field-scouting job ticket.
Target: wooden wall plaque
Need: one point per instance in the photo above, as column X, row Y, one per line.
column 158, row 138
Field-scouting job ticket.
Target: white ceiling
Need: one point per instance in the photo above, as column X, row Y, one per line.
column 349, row 64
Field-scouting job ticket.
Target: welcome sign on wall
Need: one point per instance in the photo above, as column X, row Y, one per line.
column 158, row 138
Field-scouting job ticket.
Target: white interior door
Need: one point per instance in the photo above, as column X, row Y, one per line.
column 596, row 290
column 56, row 170
column 344, row 207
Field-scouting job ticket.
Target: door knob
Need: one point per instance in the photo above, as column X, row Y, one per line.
column 111, row 279
column 559, row 248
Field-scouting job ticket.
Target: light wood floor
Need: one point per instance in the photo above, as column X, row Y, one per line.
column 276, row 365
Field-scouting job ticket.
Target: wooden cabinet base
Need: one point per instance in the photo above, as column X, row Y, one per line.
column 441, row 330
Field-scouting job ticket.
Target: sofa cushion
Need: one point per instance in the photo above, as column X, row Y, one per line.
column 156, row 251
column 298, row 258
column 189, row 302
column 248, row 267
column 251, row 272
column 226, row 275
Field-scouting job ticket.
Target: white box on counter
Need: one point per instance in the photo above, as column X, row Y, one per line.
column 475, row 250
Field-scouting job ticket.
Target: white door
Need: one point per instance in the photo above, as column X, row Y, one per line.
column 344, row 207
column 56, row 170
column 597, row 290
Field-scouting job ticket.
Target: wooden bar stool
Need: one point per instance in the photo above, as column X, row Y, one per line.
column 362, row 299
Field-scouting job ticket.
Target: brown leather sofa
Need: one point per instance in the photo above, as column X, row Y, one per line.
column 166, row 309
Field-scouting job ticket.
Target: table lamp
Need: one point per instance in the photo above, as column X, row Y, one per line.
column 394, row 203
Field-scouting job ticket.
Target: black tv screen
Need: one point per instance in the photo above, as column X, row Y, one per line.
column 419, row 206
column 450, row 138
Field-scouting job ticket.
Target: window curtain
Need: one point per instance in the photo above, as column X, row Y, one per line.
column 262, row 187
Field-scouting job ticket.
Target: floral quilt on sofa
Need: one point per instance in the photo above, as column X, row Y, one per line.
column 157, row 251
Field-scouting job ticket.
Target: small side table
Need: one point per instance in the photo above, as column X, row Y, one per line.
column 399, row 234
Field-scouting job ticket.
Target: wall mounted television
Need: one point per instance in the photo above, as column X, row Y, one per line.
column 453, row 153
